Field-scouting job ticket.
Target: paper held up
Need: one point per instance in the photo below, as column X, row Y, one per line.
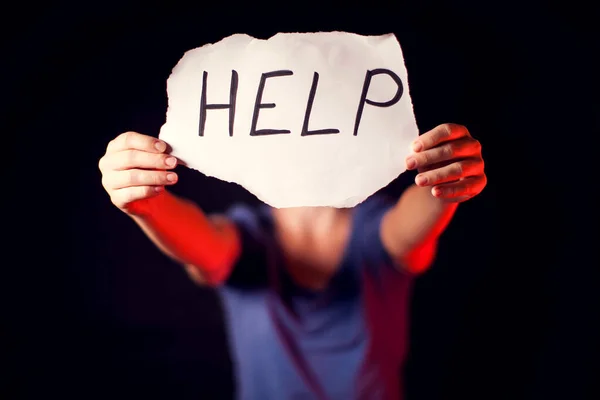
column 299, row 119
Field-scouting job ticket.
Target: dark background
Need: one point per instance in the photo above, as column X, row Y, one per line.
column 92, row 309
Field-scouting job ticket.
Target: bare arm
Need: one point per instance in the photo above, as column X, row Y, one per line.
column 411, row 229
column 451, row 170
column 207, row 247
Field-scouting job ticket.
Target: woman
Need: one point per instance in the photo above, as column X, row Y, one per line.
column 315, row 297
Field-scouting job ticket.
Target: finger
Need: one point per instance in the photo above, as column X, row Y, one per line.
column 124, row 197
column 451, row 172
column 136, row 141
column 431, row 167
column 440, row 134
column 461, row 190
column 442, row 164
column 137, row 177
column 129, row 159
column 461, row 148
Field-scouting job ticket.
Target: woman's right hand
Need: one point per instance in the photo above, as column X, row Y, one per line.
column 135, row 167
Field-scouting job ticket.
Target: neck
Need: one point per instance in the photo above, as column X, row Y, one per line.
column 312, row 240
column 306, row 220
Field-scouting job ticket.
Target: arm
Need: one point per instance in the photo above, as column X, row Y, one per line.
column 135, row 170
column 411, row 229
column 208, row 247
column 451, row 170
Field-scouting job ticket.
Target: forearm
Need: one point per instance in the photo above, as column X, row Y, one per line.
column 414, row 225
column 184, row 233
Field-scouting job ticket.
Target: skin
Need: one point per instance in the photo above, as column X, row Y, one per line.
column 136, row 169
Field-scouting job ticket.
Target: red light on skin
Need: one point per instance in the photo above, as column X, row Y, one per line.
column 209, row 244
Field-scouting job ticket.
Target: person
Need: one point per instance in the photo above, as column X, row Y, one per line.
column 315, row 298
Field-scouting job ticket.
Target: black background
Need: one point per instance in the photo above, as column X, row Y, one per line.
column 92, row 309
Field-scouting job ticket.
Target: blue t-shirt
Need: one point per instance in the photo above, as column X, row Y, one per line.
column 346, row 342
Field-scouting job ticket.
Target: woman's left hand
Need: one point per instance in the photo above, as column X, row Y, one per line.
column 449, row 161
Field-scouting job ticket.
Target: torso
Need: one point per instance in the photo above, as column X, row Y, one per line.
column 345, row 340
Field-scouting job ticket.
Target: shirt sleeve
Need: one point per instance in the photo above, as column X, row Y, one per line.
column 368, row 225
column 370, row 253
column 250, row 271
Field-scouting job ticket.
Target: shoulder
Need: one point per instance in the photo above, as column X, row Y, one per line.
column 253, row 225
column 252, row 220
column 369, row 213
column 375, row 204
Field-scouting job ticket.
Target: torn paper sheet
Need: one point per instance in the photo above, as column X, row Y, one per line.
column 300, row 119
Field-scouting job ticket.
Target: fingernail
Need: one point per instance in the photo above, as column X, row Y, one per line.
column 437, row 192
column 160, row 146
column 421, row 180
column 172, row 177
column 411, row 163
column 417, row 146
column 171, row 161
column 158, row 189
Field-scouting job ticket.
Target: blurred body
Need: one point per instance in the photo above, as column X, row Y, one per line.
column 316, row 298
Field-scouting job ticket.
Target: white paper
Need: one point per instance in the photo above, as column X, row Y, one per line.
column 290, row 170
